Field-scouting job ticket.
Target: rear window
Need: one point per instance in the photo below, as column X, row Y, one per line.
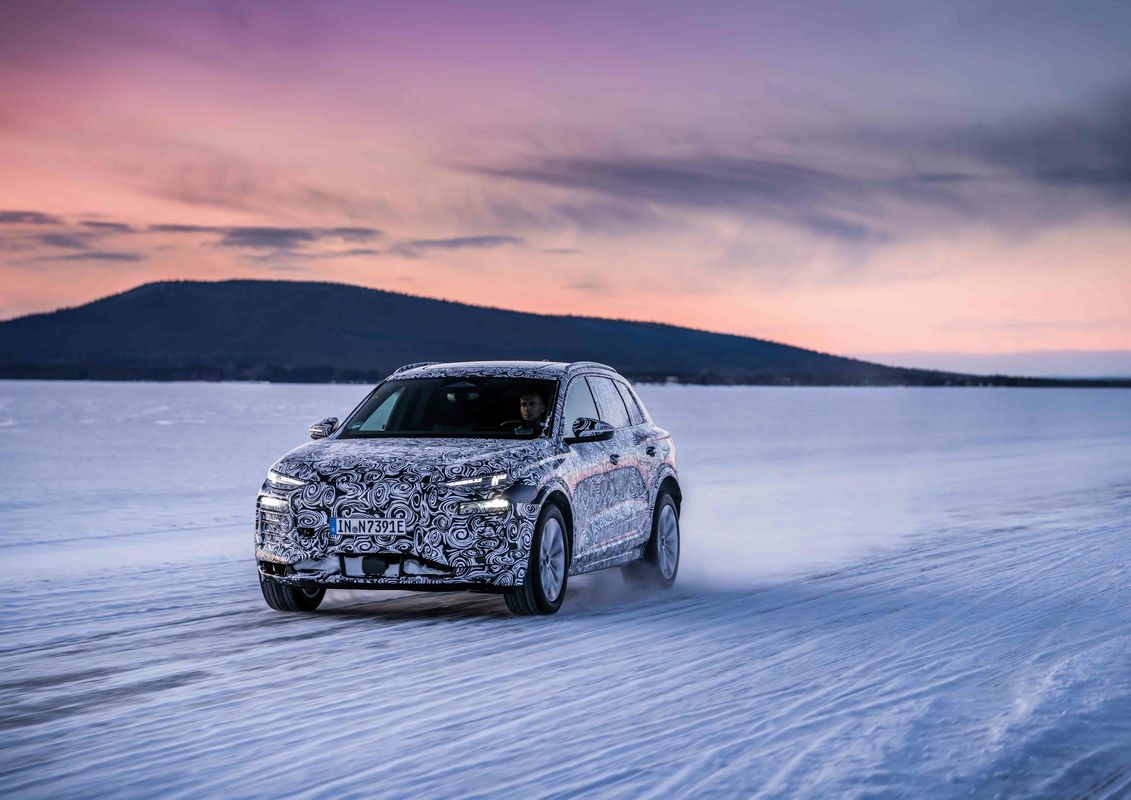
column 635, row 415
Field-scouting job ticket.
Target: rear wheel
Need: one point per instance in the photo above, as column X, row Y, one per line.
column 290, row 598
column 547, row 571
column 660, row 564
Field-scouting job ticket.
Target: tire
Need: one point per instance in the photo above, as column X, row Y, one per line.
column 290, row 598
column 660, row 565
column 547, row 569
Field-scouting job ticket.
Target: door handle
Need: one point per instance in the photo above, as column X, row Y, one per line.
column 614, row 457
column 650, row 449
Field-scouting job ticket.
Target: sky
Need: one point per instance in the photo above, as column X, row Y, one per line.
column 874, row 177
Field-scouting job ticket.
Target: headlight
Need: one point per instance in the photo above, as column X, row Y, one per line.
column 480, row 480
column 283, row 481
column 496, row 505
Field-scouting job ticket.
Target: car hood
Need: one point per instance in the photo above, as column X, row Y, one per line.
column 446, row 459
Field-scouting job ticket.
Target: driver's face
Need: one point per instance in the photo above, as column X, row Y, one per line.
column 531, row 407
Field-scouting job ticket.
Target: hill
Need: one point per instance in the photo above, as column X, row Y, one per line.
column 301, row 331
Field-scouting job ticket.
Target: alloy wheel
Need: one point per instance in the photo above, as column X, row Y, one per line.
column 668, row 542
column 552, row 559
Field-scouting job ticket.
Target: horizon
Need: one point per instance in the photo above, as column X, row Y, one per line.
column 1068, row 365
column 949, row 186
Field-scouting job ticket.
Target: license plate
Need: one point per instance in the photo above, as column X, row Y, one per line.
column 366, row 526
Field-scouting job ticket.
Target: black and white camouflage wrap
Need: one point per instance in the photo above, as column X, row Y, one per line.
column 609, row 493
column 403, row 479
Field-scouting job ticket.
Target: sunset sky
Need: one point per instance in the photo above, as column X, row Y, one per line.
column 871, row 177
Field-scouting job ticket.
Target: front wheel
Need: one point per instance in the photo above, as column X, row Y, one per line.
column 290, row 598
column 547, row 572
column 660, row 564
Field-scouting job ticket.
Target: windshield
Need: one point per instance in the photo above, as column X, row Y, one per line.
column 463, row 406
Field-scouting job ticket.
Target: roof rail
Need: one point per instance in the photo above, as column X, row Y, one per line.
column 414, row 365
column 592, row 364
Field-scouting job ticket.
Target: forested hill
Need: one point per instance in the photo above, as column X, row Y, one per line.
column 299, row 331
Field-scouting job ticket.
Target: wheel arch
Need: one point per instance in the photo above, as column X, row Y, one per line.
column 559, row 499
column 670, row 485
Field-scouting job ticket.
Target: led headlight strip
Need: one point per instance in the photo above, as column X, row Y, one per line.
column 285, row 481
column 480, row 480
column 496, row 505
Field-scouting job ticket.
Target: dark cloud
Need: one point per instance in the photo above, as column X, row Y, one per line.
column 355, row 251
column 28, row 218
column 62, row 240
column 270, row 245
column 561, row 251
column 867, row 186
column 353, row 234
column 94, row 255
column 416, row 247
column 292, row 238
column 272, row 238
column 276, row 247
column 267, row 238
column 184, row 229
column 1089, row 149
column 109, row 227
column 812, row 198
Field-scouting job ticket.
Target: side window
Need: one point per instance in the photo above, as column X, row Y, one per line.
column 635, row 415
column 579, row 403
column 609, row 402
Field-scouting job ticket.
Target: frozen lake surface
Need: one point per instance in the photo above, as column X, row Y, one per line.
column 884, row 593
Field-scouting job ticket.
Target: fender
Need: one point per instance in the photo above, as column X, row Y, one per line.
column 557, row 484
column 664, row 472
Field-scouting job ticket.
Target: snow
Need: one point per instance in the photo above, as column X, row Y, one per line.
column 884, row 593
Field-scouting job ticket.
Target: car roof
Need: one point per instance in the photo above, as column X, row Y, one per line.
column 517, row 369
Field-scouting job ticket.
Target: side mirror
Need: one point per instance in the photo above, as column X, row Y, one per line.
column 323, row 428
column 586, row 429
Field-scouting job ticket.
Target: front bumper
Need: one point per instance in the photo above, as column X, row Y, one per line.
column 336, row 578
column 442, row 548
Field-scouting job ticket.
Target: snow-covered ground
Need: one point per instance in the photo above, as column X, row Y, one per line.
column 885, row 592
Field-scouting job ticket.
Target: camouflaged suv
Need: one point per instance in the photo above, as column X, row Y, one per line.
column 503, row 477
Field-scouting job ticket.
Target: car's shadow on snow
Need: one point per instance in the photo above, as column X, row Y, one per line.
column 412, row 606
column 588, row 595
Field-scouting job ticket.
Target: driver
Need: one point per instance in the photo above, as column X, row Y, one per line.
column 531, row 406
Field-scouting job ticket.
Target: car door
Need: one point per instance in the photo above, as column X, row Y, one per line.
column 627, row 498
column 649, row 449
column 587, row 470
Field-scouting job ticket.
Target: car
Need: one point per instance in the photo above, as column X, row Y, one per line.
column 504, row 476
